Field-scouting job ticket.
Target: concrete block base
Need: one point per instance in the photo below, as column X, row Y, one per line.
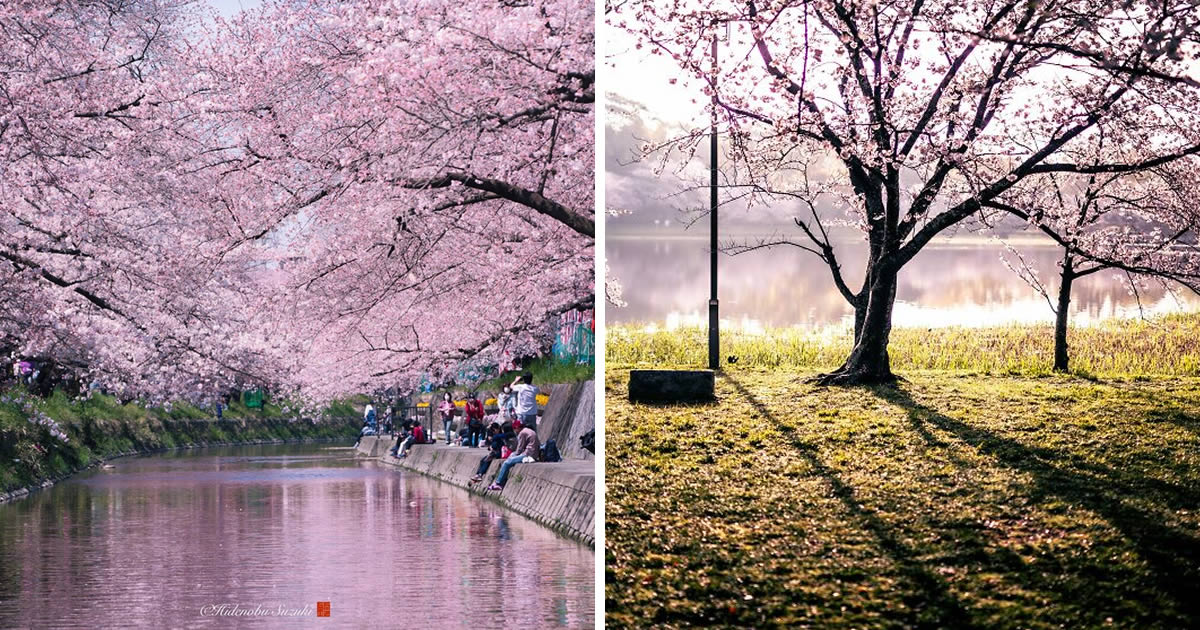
column 671, row 386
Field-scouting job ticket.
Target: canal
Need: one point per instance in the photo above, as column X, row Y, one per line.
column 188, row 538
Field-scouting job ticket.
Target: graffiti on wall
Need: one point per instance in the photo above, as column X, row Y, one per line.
column 474, row 370
column 576, row 337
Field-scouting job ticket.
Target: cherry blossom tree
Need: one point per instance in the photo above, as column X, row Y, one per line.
column 1144, row 225
column 422, row 176
column 916, row 118
column 109, row 267
column 322, row 197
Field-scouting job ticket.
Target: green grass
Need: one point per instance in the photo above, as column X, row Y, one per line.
column 102, row 427
column 983, row 491
column 347, row 408
column 545, row 370
column 1165, row 346
column 951, row 501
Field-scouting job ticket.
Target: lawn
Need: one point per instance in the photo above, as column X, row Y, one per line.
column 955, row 500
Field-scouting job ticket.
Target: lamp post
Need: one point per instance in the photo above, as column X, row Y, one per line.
column 714, row 325
column 675, row 386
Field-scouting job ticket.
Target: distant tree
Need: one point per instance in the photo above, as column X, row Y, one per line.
column 920, row 114
column 1145, row 225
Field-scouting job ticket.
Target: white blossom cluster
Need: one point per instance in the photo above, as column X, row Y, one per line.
column 37, row 416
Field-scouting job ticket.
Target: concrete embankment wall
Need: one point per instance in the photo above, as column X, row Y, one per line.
column 560, row 495
column 570, row 412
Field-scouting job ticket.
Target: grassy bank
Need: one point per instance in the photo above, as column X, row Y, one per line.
column 545, row 370
column 1163, row 346
column 49, row 438
column 965, row 498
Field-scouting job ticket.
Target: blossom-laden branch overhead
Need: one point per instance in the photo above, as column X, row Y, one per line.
column 306, row 195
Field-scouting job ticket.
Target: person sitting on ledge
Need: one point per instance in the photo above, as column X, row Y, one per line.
column 527, row 451
column 495, row 440
column 418, row 434
column 413, row 433
column 402, row 438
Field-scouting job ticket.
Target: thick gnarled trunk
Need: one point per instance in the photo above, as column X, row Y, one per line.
column 869, row 363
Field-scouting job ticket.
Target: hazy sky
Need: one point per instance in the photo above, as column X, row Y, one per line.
column 229, row 7
column 645, row 106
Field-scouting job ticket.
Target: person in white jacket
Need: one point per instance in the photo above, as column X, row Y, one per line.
column 527, row 406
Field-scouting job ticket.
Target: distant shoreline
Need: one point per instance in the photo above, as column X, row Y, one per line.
column 1025, row 240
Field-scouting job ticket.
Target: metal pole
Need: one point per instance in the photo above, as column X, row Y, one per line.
column 714, row 338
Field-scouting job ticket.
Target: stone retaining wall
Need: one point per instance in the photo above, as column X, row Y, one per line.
column 561, row 495
column 569, row 414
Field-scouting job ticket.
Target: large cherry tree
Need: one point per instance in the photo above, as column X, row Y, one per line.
column 316, row 196
column 421, row 176
column 917, row 118
column 110, row 267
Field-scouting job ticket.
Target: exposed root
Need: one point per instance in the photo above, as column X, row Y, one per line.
column 844, row 377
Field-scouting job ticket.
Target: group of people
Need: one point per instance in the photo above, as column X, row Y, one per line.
column 411, row 432
column 371, row 424
column 516, row 402
column 517, row 423
column 510, row 435
column 500, row 442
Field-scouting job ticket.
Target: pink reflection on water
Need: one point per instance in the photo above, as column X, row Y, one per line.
column 154, row 540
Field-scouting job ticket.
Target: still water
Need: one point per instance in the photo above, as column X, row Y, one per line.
column 163, row 541
column 960, row 282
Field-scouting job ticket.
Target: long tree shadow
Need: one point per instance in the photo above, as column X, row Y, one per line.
column 1172, row 555
column 932, row 604
column 1189, row 421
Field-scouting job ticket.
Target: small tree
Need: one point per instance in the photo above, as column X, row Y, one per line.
column 1145, row 225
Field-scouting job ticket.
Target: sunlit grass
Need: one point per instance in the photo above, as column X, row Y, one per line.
column 981, row 492
column 1168, row 346
column 951, row 501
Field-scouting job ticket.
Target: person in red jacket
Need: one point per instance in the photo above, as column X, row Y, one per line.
column 411, row 433
column 474, row 416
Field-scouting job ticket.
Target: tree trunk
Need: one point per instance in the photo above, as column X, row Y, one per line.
column 860, row 315
column 1061, row 314
column 868, row 363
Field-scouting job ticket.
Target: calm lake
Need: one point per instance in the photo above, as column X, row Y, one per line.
column 961, row 282
column 164, row 541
